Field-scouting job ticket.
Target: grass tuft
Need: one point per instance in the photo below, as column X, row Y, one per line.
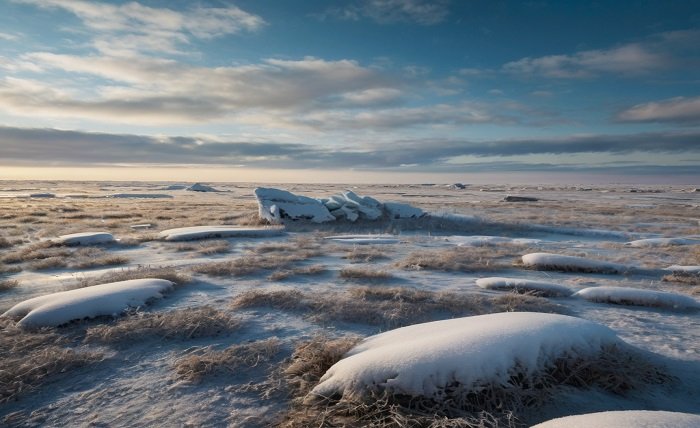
column 456, row 259
column 358, row 273
column 171, row 274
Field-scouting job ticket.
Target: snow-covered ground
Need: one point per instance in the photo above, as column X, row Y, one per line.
column 575, row 240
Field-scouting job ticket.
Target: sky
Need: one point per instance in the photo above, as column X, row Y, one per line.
column 351, row 90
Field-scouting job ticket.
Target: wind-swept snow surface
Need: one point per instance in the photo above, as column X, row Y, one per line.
column 85, row 238
column 485, row 241
column 548, row 261
column 422, row 359
column 638, row 297
column 521, row 285
column 625, row 419
column 364, row 239
column 204, row 232
column 662, row 242
column 89, row 302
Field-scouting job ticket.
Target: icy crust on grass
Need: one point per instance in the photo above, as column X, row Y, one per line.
column 487, row 241
column 363, row 239
column 105, row 299
column 422, row 359
column 549, row 261
column 638, row 297
column 204, row 232
column 662, row 242
column 524, row 285
column 626, row 419
column 85, row 238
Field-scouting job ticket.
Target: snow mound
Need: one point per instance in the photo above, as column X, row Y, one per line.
column 638, row 297
column 205, row 232
column 85, row 238
column 524, row 286
column 175, row 187
column 548, row 261
column 424, row 359
column 625, row 419
column 662, row 242
column 276, row 205
column 105, row 299
column 198, row 187
column 686, row 269
column 42, row 195
column 140, row 196
column 487, row 241
column 363, row 239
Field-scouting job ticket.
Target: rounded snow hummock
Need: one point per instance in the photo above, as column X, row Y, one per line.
column 86, row 238
column 625, row 419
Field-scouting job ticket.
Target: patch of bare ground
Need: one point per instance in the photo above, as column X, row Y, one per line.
column 388, row 306
column 33, row 358
column 186, row 323
column 364, row 274
column 690, row 279
column 210, row 362
column 252, row 263
column 170, row 273
column 365, row 254
column 459, row 259
column 282, row 274
column 515, row 404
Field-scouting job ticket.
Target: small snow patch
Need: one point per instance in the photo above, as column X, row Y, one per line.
column 548, row 261
column 205, row 232
column 626, row 419
column 524, row 286
column 85, row 238
column 364, row 239
column 140, row 196
column 685, row 269
column 663, row 242
column 487, row 241
column 105, row 299
column 638, row 297
column 426, row 359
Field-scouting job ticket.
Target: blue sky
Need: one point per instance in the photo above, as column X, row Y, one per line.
column 360, row 86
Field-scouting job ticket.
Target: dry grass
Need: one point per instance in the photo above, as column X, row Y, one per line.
column 5, row 269
column 283, row 274
column 368, row 274
column 186, row 323
column 300, row 242
column 47, row 255
column 210, row 362
column 456, row 259
column 5, row 243
column 689, row 279
column 250, row 264
column 365, row 254
column 30, row 359
column 172, row 274
column 207, row 248
column 8, row 284
column 284, row 299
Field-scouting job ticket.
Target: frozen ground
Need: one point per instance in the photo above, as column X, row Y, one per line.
column 332, row 288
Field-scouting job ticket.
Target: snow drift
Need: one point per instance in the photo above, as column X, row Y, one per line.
column 663, row 242
column 488, row 241
column 520, row 285
column 424, row 359
column 85, row 238
column 638, row 297
column 204, row 232
column 363, row 239
column 626, row 419
column 198, row 187
column 548, row 261
column 105, row 299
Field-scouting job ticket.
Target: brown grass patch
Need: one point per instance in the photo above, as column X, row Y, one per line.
column 186, row 323
column 5, row 243
column 686, row 278
column 365, row 254
column 8, row 284
column 250, row 264
column 47, row 255
column 283, row 274
column 226, row 362
column 170, row 273
column 455, row 259
column 358, row 273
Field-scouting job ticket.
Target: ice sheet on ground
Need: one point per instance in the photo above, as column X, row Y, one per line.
column 198, row 187
column 485, row 241
column 625, row 419
column 524, row 285
column 204, row 232
column 638, row 297
column 363, row 239
column 421, row 359
column 85, row 238
column 105, row 299
column 141, row 195
column 566, row 263
column 661, row 242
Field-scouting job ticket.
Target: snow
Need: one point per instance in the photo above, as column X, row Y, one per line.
column 524, row 285
column 638, row 297
column 198, row 187
column 420, row 359
column 661, row 242
column 566, row 263
column 89, row 302
column 625, row 419
column 85, row 238
column 486, row 241
column 204, row 232
column 687, row 269
column 175, row 187
column 141, row 195
column 364, row 239
column 398, row 210
column 276, row 204
column 141, row 226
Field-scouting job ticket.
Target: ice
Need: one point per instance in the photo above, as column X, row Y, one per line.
column 398, row 210
column 486, row 241
column 85, row 238
column 421, row 359
column 638, row 297
column 548, row 261
column 524, row 286
column 198, row 187
column 276, row 204
column 205, row 232
column 661, row 242
column 89, row 302
column 364, row 239
column 626, row 419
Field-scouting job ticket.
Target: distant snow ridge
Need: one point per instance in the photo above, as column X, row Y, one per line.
column 638, row 297
column 548, row 261
column 85, row 238
column 275, row 205
column 198, row 187
column 625, row 419
column 105, row 299
column 426, row 359
column 520, row 285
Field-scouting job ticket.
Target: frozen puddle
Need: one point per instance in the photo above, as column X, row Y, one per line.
column 485, row 241
column 205, row 232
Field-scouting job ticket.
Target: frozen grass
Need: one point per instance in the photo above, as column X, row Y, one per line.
column 365, row 254
column 209, row 362
column 8, row 284
column 206, row 248
column 188, row 323
column 172, row 274
column 30, row 359
column 283, row 274
column 5, row 243
column 250, row 264
column 5, row 269
column 297, row 243
column 461, row 259
column 47, row 255
column 387, row 306
column 364, row 273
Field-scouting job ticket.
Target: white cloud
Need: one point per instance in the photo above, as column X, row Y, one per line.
column 8, row 36
column 682, row 110
column 422, row 12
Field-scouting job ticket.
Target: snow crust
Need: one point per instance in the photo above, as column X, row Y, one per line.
column 557, row 261
column 687, row 269
column 204, row 232
column 625, row 419
column 198, row 187
column 105, row 299
column 661, row 242
column 85, row 238
column 421, row 359
column 141, row 196
column 486, row 241
column 364, row 239
column 275, row 204
column 520, row 285
column 638, row 297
